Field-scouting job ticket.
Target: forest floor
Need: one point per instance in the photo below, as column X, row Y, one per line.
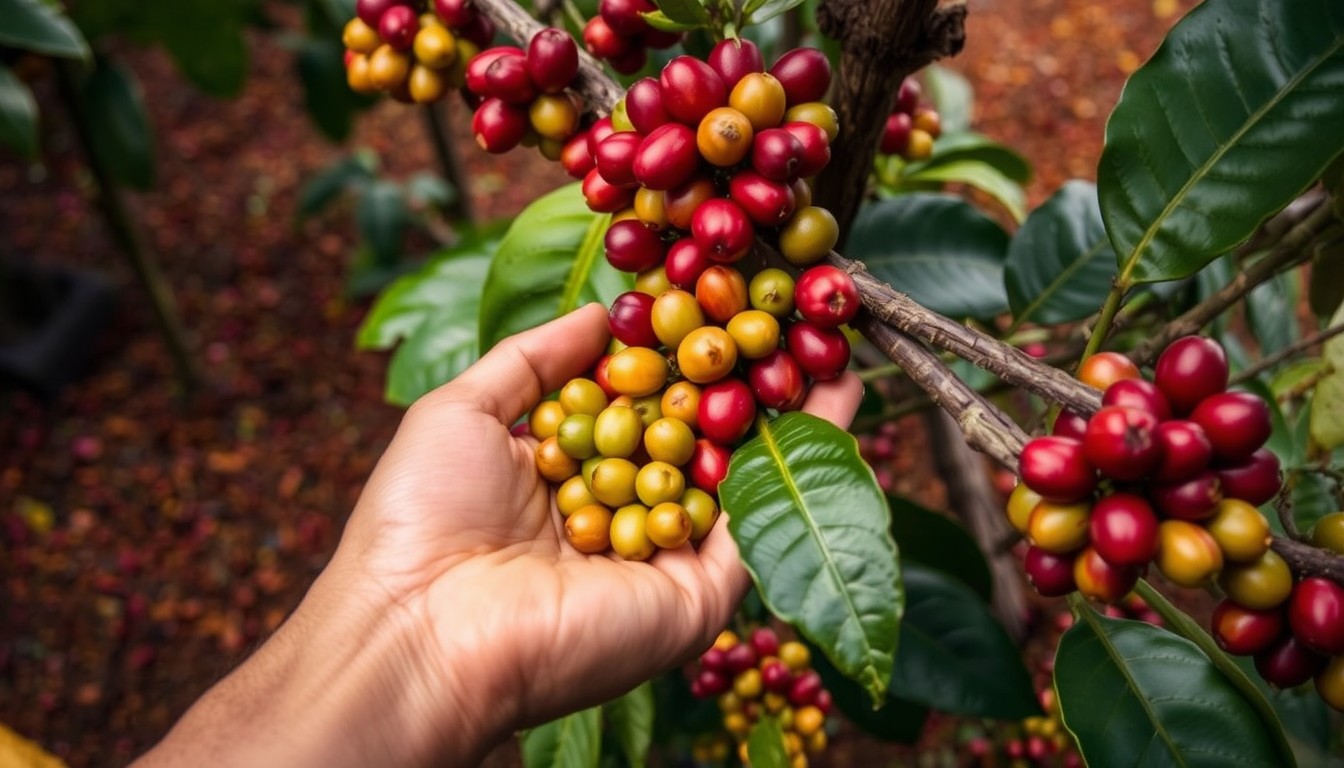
column 145, row 548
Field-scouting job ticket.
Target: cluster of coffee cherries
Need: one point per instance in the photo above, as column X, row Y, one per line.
column 1295, row 630
column 762, row 677
column 523, row 97
column 912, row 126
column 414, row 55
column 621, row 36
column 1170, row 470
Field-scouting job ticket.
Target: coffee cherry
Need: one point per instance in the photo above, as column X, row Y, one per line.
column 1237, row 423
column 479, row 31
column 360, row 37
column 654, row 282
column 705, row 356
column 659, row 482
column 1316, row 614
column 777, row 381
column 686, row 261
column 907, row 98
column 809, row 236
column 631, row 319
column 1020, row 504
column 1260, row 584
column 727, row 409
column 735, row 59
column 702, row 510
column 644, row 106
column 1328, row 533
column 805, row 74
column 1240, row 530
column 588, row 529
column 1123, row 529
column 388, row 67
column 629, row 533
column 668, row 525
column 681, row 202
column 1243, row 631
column 552, row 60
column 555, row 117
column 631, row 61
column 572, row 495
column 602, row 41
column 604, row 197
column 1193, row 499
column 691, row 88
column 358, row 74
column 455, row 13
column 896, row 134
column 760, row 98
column 637, row 371
column 1255, row 480
column 1069, row 424
column 1050, row 575
column 822, row 353
column 1120, row 442
column 777, row 154
column 724, row 137
column 1101, row 580
column 667, row 157
column 552, row 462
column 545, row 419
column 722, row 228
column 632, row 247
column 1057, row 469
column 816, row 147
column 1103, row 369
column 582, row 396
column 649, row 208
column 827, row 296
column 575, row 436
column 708, row 465
column 776, row 677
column 1185, row 451
column 1058, row 528
column 756, row 333
column 722, row 293
column 1288, row 663
column 613, row 481
column 767, row 203
column 1138, row 394
column 617, row 432
column 601, row 379
column 478, row 65
column 649, row 409
column 771, row 290
column 669, row 440
column 681, row 401
column 425, row 85
column 1189, row 370
column 624, row 16
column 805, row 688
column 1187, row 555
column 674, row 315
column 398, row 27
column 817, row 113
column 930, row 122
column 795, row 656
column 1330, row 683
column 709, row 682
column 497, row 126
column 506, row 78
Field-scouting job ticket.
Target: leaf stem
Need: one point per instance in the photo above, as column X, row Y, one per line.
column 1102, row 329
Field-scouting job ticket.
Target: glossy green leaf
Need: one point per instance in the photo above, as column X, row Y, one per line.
column 1294, row 375
column 631, row 721
column 813, row 529
column 122, row 134
column 326, row 96
column 349, row 172
column 765, row 745
column 40, row 26
column 690, row 12
column 18, row 114
column 1237, row 113
column 1133, row 694
column 660, row 21
column 978, row 174
column 952, row 95
column 573, row 741
column 897, row 720
column 1305, row 717
column 939, row 542
column 938, row 248
column 1271, row 312
column 1327, row 402
column 759, row 12
column 968, row 145
column 954, row 657
column 450, row 278
column 382, row 218
column 550, row 261
column 1060, row 264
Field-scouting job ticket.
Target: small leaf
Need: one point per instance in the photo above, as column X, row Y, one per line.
column 938, row 248
column 897, row 720
column 1204, row 144
column 954, row 657
column 122, row 134
column 765, row 11
column 1134, row 694
column 690, row 12
column 631, row 718
column 550, row 261
column 659, row 20
column 952, row 95
column 1327, row 402
column 382, row 218
column 1060, row 264
column 42, row 27
column 449, row 278
column 981, row 176
column 765, row 745
column 968, row 145
column 814, row 531
column 939, row 542
column 18, row 114
column 573, row 741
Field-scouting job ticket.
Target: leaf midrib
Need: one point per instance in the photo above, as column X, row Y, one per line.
column 583, row 263
column 1054, row 286
column 1251, row 122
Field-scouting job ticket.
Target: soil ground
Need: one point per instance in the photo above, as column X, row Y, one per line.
column 146, row 547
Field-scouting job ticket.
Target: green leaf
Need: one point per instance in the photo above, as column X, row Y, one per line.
column 765, row 745
column 938, row 248
column 690, row 12
column 573, row 741
column 631, row 718
column 329, row 101
column 205, row 38
column 981, row 176
column 954, row 657
column 1305, row 717
column 40, row 26
column 449, row 278
column 1313, row 498
column 550, row 261
column 897, row 720
column 659, row 20
column 18, row 114
column 1271, row 312
column 348, row 172
column 119, row 123
column 382, row 218
column 1133, row 694
column 814, row 531
column 952, row 95
column 1060, row 264
column 1326, row 290
column 941, row 543
column 1237, row 113
column 760, row 12
column 1294, row 375
column 968, row 145
column 1327, row 402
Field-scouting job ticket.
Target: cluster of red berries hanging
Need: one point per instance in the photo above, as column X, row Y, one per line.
column 912, row 126
column 414, row 55
column 523, row 97
column 621, row 36
column 760, row 677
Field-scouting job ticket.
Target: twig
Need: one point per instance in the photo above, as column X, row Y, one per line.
column 460, row 206
column 1278, row 357
column 1304, row 559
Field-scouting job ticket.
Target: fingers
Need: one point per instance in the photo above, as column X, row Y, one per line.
column 520, row 370
column 837, row 400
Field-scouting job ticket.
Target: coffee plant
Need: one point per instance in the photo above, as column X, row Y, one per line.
column 761, row 215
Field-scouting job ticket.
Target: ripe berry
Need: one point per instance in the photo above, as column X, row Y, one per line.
column 552, row 60
column 895, row 134
column 805, row 688
column 691, row 88
column 816, row 147
column 767, row 203
column 735, row 59
column 1185, row 450
column 1139, row 394
column 1187, row 555
column 1189, row 370
column 604, row 197
column 681, row 202
column 644, row 105
column 631, row 319
column 506, row 78
column 724, row 137
column 776, row 677
column 930, row 122
column 1103, row 369
column 1260, row 584
column 479, row 31
column 760, row 98
column 1255, row 480
column 615, row 158
column 1123, row 529
column 1100, row 580
column 777, row 154
column 805, row 74
column 722, row 293
column 602, row 41
column 681, row 401
column 686, row 261
column 907, row 98
column 777, row 381
column 1120, row 442
column 1193, row 499
column 1069, row 424
column 740, row 658
column 708, row 465
column 1057, row 469
column 553, row 463
column 1237, row 423
column 624, row 16
column 371, row 11
column 1316, row 614
column 1288, row 663
column 631, row 61
column 823, row 353
column 722, row 228
column 1242, row 631
column 711, row 682
column 826, row 296
column 1050, row 575
column 727, row 409
column 633, row 247
column 667, row 157
column 498, row 126
column 455, row 13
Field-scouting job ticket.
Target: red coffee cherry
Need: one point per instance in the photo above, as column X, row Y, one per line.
column 686, row 261
column 479, row 31
column 552, row 60
column 805, row 688
column 1255, row 479
column 735, row 59
column 681, row 202
column 398, row 27
column 575, row 157
column 1050, row 575
column 777, row 381
column 1103, row 369
column 1237, row 423
column 708, row 465
column 907, row 98
column 816, row 147
column 624, row 15
column 727, row 409
column 691, row 88
column 644, row 105
column 602, row 41
column 740, row 658
column 1139, row 394
column 631, row 320
column 604, row 197
column 1316, row 615
column 455, row 13
column 1057, row 469
column 1123, row 529
column 710, row 682
column 633, row 247
column 598, row 132
column 1193, row 499
column 777, row 154
column 1185, row 450
column 721, row 292
column 826, row 296
column 767, row 203
column 1191, row 369
column 823, row 353
column 896, row 134
column 805, row 74
column 506, row 78
column 667, row 157
column 1100, row 580
column 498, row 126
column 615, row 158
column 480, row 63
column 722, row 228
column 1242, row 631
column 371, row 11
column 776, row 677
column 1288, row 663
column 1121, row 444
column 1069, row 424
column 765, row 642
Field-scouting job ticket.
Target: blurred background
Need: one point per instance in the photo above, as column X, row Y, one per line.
column 172, row 480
